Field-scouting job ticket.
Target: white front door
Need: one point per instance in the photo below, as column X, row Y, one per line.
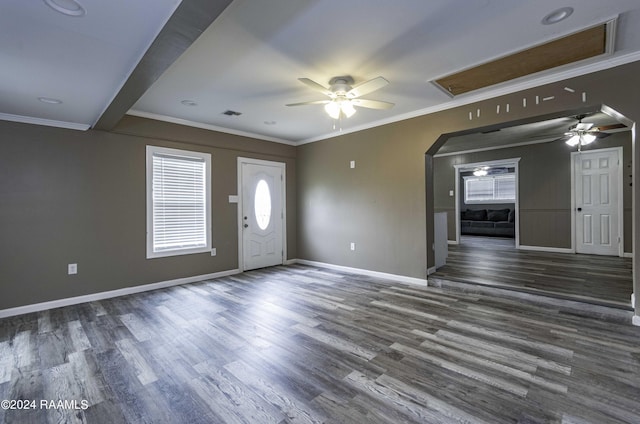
column 597, row 196
column 262, row 217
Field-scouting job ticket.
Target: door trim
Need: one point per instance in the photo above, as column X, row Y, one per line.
column 282, row 166
column 620, row 196
column 469, row 166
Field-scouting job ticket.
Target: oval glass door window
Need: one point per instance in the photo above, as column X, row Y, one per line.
column 262, row 204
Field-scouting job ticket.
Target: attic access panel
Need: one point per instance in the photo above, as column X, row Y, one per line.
column 572, row 48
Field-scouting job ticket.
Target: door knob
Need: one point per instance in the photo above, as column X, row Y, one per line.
column 579, row 209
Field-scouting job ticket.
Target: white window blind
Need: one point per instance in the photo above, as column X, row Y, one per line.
column 490, row 188
column 179, row 202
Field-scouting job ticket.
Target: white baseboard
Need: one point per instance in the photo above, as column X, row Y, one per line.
column 431, row 270
column 636, row 320
column 290, row 261
column 394, row 277
column 547, row 249
column 19, row 310
column 627, row 255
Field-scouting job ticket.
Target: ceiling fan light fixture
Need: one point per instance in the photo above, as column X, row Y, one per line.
column 333, row 109
column 337, row 108
column 587, row 139
column 481, row 172
column 573, row 141
column 347, row 108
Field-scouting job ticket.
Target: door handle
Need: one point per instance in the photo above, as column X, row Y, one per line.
column 579, row 209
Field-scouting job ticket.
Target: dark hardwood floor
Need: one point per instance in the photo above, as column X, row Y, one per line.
column 298, row 344
column 494, row 261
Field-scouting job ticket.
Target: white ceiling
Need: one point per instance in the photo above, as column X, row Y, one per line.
column 81, row 61
column 250, row 58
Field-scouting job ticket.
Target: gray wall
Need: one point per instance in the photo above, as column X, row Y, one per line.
column 79, row 197
column 544, row 187
column 386, row 204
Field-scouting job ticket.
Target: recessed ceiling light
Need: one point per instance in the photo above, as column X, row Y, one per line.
column 67, row 7
column 49, row 100
column 189, row 103
column 557, row 16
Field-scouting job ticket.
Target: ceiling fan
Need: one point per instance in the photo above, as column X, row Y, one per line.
column 343, row 97
column 584, row 133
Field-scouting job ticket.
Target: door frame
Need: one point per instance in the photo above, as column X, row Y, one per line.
column 620, row 197
column 283, row 167
column 470, row 166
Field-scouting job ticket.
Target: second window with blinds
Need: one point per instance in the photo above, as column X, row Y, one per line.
column 178, row 202
column 490, row 189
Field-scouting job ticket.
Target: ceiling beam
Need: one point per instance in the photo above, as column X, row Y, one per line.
column 190, row 19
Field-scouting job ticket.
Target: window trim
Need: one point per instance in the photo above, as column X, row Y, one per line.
column 150, row 151
column 493, row 178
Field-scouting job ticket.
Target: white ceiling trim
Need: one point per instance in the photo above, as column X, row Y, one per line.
column 216, row 128
column 611, row 62
column 43, row 121
column 504, row 146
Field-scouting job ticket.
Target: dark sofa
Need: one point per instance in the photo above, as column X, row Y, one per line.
column 488, row 222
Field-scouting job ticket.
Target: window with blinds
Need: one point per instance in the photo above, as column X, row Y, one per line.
column 490, row 188
column 178, row 202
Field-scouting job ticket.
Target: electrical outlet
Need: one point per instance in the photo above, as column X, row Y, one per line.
column 72, row 269
column 214, row 252
column 450, row 193
column 353, row 246
column 352, row 164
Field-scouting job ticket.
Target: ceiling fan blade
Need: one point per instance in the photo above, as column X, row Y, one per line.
column 564, row 138
column 583, row 126
column 599, row 134
column 372, row 104
column 316, row 102
column 367, row 87
column 611, row 127
column 315, row 86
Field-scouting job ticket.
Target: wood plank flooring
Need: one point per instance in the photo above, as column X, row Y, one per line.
column 298, row 344
column 605, row 280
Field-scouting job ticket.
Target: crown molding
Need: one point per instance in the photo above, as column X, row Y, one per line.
column 46, row 122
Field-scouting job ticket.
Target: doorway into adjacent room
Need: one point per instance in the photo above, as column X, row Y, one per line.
column 557, row 250
column 486, row 201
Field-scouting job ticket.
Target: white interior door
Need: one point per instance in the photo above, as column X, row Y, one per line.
column 597, row 196
column 262, row 218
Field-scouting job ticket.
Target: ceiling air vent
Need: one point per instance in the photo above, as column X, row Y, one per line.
column 572, row 48
column 231, row 113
